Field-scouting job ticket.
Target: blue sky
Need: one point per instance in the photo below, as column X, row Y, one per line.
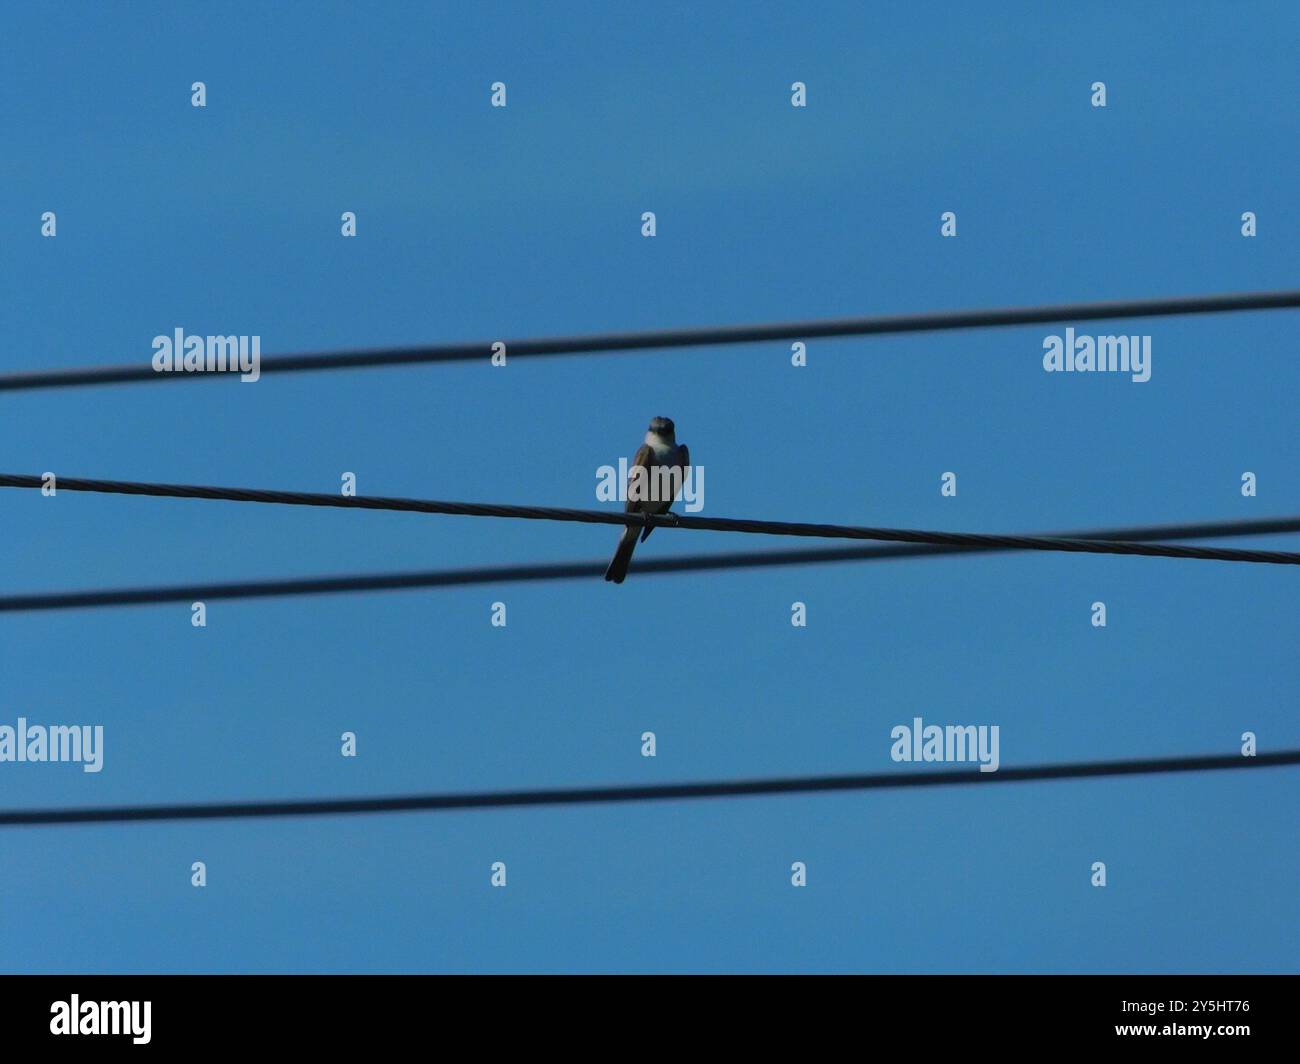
column 476, row 222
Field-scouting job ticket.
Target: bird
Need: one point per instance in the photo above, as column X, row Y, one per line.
column 659, row 460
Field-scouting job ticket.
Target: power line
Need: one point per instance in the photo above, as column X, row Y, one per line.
column 670, row 520
column 931, row 321
column 503, row 574
column 639, row 792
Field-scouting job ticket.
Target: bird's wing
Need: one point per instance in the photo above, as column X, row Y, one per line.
column 679, row 462
column 683, row 463
column 644, row 458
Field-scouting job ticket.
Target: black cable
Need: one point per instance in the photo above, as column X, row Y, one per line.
column 639, row 792
column 691, row 337
column 609, row 517
column 503, row 574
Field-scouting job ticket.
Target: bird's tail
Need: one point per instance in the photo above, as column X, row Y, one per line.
column 623, row 556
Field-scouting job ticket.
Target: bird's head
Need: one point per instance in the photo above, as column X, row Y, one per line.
column 663, row 428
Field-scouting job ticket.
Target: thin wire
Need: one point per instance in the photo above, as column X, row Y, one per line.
column 931, row 321
column 503, row 574
column 608, row 517
column 640, row 792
